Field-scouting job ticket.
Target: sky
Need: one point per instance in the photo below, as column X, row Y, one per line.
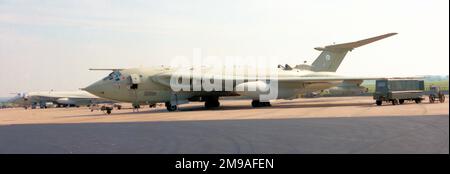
column 47, row 44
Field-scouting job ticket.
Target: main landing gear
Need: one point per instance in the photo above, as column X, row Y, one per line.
column 171, row 107
column 257, row 103
column 212, row 102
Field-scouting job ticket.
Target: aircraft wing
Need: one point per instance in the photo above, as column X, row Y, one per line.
column 57, row 95
column 164, row 79
column 325, row 79
column 354, row 79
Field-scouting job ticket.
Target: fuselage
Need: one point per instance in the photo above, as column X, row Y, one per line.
column 152, row 85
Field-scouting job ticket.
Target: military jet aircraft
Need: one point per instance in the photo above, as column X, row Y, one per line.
column 175, row 86
column 60, row 98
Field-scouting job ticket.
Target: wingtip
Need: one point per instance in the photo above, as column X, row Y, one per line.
column 391, row 34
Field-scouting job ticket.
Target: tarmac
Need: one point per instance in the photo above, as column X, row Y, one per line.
column 326, row 125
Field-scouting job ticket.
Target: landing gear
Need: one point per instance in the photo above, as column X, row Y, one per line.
column 212, row 102
column 257, row 103
column 401, row 101
column 171, row 107
column 42, row 106
column 136, row 107
column 394, row 102
column 418, row 101
column 379, row 102
column 108, row 109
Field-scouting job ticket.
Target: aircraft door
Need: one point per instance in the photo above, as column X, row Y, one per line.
column 135, row 80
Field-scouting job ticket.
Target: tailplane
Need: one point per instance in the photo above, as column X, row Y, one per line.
column 332, row 55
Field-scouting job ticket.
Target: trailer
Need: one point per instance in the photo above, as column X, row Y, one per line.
column 397, row 91
column 436, row 94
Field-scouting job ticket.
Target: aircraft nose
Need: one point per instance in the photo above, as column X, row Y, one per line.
column 97, row 88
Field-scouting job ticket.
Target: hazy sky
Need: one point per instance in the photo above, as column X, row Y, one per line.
column 50, row 44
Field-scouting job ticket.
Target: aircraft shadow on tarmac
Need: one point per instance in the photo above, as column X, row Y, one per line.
column 237, row 107
column 380, row 134
column 279, row 105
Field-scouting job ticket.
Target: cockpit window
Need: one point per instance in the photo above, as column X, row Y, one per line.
column 113, row 76
column 109, row 77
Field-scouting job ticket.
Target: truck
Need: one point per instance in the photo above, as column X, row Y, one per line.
column 397, row 91
column 436, row 94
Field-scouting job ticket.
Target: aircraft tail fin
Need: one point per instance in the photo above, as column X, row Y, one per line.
column 332, row 55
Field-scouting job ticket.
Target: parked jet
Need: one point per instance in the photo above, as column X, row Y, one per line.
column 156, row 85
column 60, row 98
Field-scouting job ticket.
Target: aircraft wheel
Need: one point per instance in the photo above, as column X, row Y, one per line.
column 379, row 102
column 401, row 101
column 108, row 111
column 171, row 107
column 217, row 104
column 418, row 101
column 395, row 102
column 255, row 103
column 212, row 102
